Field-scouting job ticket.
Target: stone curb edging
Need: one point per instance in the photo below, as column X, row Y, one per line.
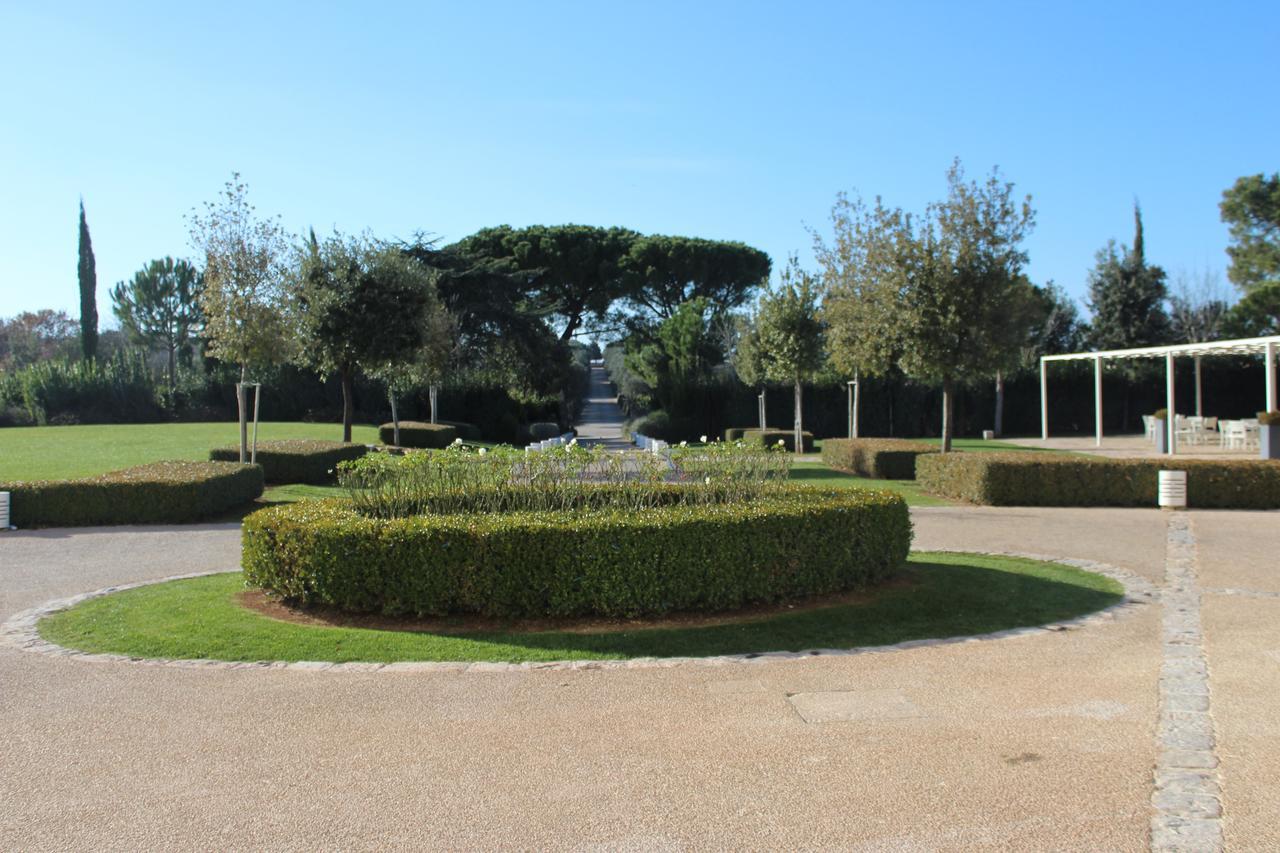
column 1187, row 801
column 21, row 631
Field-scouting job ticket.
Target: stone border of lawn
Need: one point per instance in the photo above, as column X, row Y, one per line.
column 21, row 631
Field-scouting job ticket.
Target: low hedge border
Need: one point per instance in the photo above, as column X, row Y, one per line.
column 296, row 460
column 419, row 434
column 882, row 458
column 1042, row 479
column 770, row 437
column 157, row 493
column 612, row 563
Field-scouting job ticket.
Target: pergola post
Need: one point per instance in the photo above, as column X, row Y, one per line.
column 1097, row 400
column 1199, row 400
column 1270, row 355
column 1044, row 403
column 1171, row 420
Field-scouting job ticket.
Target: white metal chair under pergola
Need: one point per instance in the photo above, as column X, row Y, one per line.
column 1266, row 347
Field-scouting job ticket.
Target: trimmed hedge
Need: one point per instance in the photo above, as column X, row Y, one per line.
column 615, row 563
column 543, row 430
column 466, row 431
column 882, row 458
column 1043, row 479
column 296, row 460
column 770, row 437
column 419, row 434
column 735, row 433
column 157, row 493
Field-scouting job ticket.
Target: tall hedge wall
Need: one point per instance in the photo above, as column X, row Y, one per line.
column 157, row 493
column 883, row 458
column 607, row 562
column 1044, row 479
column 296, row 460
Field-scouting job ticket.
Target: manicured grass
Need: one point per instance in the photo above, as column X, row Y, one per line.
column 817, row 474
column 978, row 445
column 62, row 452
column 947, row 595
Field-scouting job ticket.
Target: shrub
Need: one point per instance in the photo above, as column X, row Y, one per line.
column 1042, row 479
column 735, row 433
column 883, row 458
column 605, row 562
column 1161, row 414
column 658, row 424
column 543, row 430
column 419, row 434
column 1269, row 418
column 466, row 431
column 157, row 493
column 770, row 437
column 296, row 460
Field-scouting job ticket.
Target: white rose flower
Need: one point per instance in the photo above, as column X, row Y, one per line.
column 782, row 443
column 483, row 451
column 703, row 439
column 684, row 444
column 708, row 481
column 457, row 441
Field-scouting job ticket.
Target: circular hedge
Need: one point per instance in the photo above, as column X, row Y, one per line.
column 606, row 562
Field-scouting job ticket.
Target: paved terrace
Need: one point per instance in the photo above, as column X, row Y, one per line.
column 1043, row 741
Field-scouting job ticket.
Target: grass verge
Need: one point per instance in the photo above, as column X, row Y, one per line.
column 948, row 595
column 818, row 474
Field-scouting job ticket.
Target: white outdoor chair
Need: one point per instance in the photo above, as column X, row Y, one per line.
column 1232, row 434
column 1149, row 426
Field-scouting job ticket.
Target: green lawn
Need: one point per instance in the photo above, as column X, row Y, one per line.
column 978, row 445
column 817, row 474
column 60, row 452
column 949, row 595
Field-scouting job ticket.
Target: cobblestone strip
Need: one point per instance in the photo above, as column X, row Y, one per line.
column 1187, row 796
column 22, row 631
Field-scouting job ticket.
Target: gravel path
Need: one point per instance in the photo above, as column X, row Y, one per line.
column 1045, row 741
column 601, row 420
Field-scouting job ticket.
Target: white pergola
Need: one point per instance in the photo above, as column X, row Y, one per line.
column 1266, row 347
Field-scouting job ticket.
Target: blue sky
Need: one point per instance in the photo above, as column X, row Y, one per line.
column 725, row 120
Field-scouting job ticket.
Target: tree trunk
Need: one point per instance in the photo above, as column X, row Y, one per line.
column 764, row 416
column 799, row 425
column 999, row 424
column 257, row 395
column 348, row 402
column 395, row 420
column 947, row 426
column 242, row 404
column 857, row 390
column 173, row 373
column 434, row 393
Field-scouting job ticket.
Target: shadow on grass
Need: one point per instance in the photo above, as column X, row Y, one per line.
column 950, row 596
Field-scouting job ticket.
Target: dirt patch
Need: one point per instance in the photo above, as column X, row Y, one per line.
column 274, row 608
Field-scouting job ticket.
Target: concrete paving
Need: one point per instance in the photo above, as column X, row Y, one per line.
column 1030, row 743
column 601, row 420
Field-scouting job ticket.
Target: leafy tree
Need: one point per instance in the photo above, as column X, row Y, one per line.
column 1197, row 308
column 34, row 336
column 666, row 272
column 748, row 358
column 963, row 293
column 1127, row 296
column 1256, row 314
column 243, row 297
column 674, row 356
column 791, row 334
column 159, row 309
column 359, row 303
column 426, row 366
column 88, row 277
column 572, row 272
column 1251, row 209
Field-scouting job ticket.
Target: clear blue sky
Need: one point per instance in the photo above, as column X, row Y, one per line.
column 725, row 120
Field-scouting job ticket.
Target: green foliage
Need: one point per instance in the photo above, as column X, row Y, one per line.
column 607, row 562
column 1251, row 209
column 120, row 388
column 777, row 438
column 882, row 458
column 88, row 278
column 296, row 460
column 570, row 477
column 666, row 272
column 1269, row 418
column 1127, row 296
column 156, row 493
column 34, row 336
column 543, row 430
column 1025, row 479
column 791, row 334
column 1257, row 313
column 674, row 357
column 419, row 434
column 159, row 309
column 735, row 433
column 661, row 425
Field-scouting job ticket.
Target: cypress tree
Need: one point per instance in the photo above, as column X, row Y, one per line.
column 88, row 292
